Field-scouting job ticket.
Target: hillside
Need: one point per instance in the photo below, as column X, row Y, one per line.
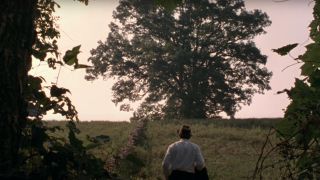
column 230, row 148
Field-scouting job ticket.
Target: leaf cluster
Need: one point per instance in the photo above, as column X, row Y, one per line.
column 41, row 154
column 45, row 48
column 299, row 132
column 44, row 156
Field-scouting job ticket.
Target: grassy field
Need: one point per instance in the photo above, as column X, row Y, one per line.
column 230, row 148
column 118, row 132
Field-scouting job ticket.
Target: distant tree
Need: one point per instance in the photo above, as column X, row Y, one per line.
column 193, row 61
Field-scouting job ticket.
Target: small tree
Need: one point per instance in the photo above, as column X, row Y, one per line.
column 193, row 62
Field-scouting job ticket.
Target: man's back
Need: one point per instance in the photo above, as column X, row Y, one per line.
column 182, row 158
column 184, row 155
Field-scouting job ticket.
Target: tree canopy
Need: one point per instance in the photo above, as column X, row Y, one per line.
column 193, row 61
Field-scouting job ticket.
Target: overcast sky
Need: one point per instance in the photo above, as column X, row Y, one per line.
column 85, row 25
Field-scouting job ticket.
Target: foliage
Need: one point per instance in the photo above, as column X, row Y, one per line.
column 285, row 49
column 168, row 4
column 41, row 156
column 66, row 159
column 118, row 133
column 45, row 48
column 195, row 60
column 299, row 132
column 125, row 155
column 40, row 103
column 49, row 157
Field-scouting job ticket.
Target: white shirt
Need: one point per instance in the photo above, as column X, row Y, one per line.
column 182, row 155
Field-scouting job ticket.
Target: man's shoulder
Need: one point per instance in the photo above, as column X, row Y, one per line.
column 174, row 143
column 195, row 145
column 180, row 142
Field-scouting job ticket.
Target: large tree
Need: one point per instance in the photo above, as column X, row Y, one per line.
column 194, row 61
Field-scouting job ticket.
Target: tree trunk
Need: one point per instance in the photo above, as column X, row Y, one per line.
column 17, row 36
column 193, row 109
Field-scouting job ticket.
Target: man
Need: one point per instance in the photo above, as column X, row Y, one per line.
column 183, row 158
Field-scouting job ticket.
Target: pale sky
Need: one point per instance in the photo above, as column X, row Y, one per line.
column 85, row 25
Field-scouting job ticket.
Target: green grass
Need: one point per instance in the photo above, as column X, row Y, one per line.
column 118, row 132
column 230, row 148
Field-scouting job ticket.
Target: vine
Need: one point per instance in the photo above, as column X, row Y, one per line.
column 299, row 132
column 40, row 155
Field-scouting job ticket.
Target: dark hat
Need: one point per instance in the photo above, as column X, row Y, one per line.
column 184, row 132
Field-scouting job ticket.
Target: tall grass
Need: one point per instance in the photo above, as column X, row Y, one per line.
column 117, row 131
column 230, row 147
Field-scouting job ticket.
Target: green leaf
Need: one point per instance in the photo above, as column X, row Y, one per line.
column 86, row 2
column 314, row 33
column 39, row 95
column 71, row 56
column 73, row 140
column 100, row 139
column 41, row 55
column 168, row 4
column 57, row 92
column 300, row 85
column 78, row 66
column 35, row 82
column 286, row 128
column 314, row 79
column 285, row 49
column 307, row 69
column 71, row 125
column 312, row 55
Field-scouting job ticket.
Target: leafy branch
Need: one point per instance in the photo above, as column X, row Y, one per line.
column 299, row 132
